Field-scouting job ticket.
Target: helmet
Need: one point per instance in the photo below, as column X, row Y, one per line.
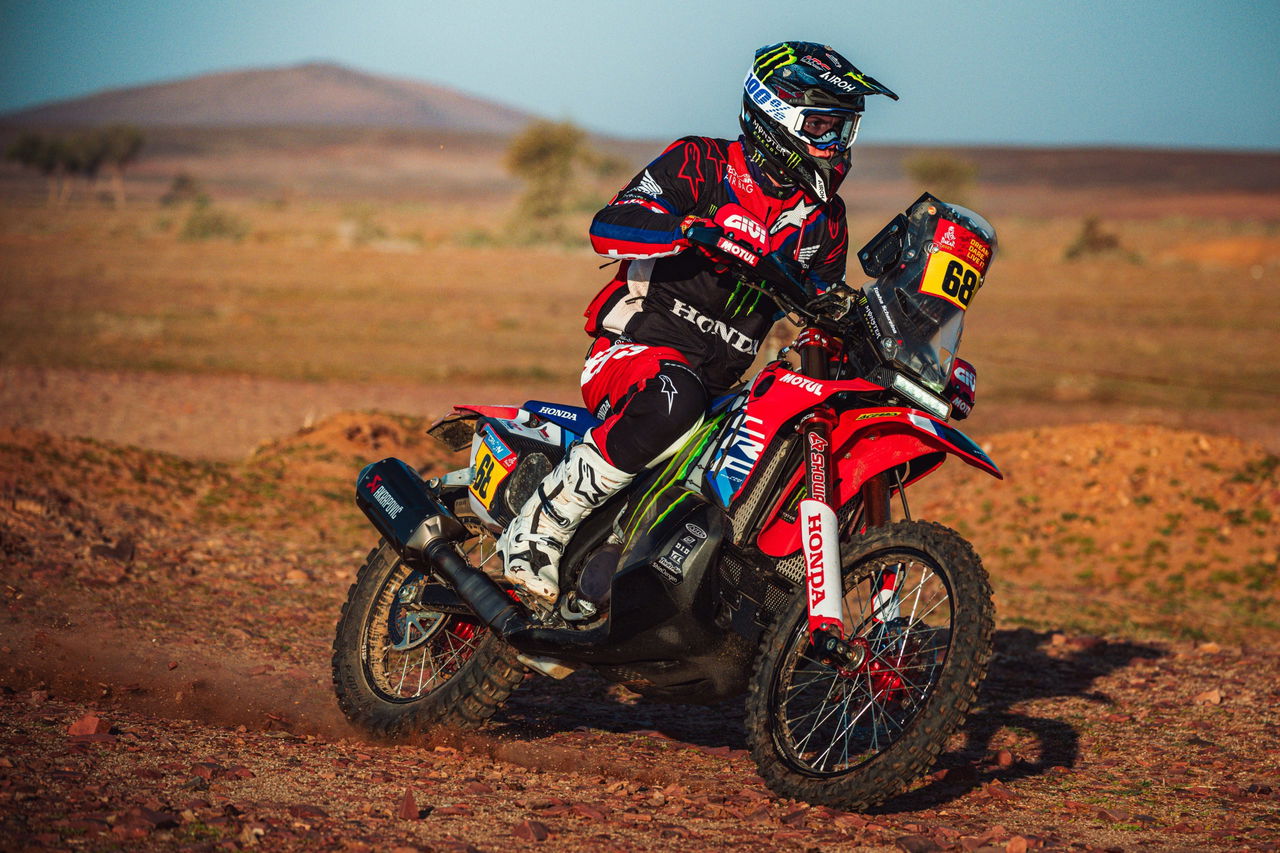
column 800, row 112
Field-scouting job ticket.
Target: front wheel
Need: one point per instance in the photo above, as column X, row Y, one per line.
column 851, row 733
column 402, row 665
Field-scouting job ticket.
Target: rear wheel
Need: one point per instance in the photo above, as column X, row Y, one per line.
column 852, row 732
column 404, row 662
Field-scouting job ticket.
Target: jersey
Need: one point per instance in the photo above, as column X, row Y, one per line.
column 666, row 295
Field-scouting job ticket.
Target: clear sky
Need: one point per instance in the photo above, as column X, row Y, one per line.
column 1196, row 73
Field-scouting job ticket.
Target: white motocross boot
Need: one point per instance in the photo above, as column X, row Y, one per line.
column 534, row 541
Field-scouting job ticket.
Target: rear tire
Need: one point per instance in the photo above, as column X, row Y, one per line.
column 851, row 737
column 400, row 668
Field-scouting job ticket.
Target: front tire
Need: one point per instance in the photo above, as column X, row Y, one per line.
column 401, row 667
column 919, row 616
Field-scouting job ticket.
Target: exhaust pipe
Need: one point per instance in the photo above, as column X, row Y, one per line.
column 489, row 601
column 423, row 532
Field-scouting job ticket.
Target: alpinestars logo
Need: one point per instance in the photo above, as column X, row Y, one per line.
column 668, row 388
column 794, row 217
column 587, row 485
column 649, row 186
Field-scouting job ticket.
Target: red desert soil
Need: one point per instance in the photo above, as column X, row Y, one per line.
column 168, row 621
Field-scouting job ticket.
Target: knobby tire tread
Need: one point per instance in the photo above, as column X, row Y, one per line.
column 466, row 700
column 915, row 752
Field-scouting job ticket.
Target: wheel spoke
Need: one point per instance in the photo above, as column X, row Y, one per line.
column 821, row 718
column 403, row 670
column 833, row 720
column 430, row 648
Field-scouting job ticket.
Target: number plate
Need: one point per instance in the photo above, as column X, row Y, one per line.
column 494, row 461
column 956, row 267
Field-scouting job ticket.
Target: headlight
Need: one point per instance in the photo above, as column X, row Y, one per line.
column 917, row 394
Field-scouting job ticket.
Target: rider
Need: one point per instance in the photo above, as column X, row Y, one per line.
column 677, row 326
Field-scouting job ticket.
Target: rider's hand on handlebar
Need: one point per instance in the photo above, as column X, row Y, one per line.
column 787, row 282
column 834, row 303
column 719, row 245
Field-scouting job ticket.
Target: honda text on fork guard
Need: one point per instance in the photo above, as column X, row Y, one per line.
column 760, row 559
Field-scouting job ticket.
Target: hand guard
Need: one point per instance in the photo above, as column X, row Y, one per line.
column 743, row 228
column 718, row 245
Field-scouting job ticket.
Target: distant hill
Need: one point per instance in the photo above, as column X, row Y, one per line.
column 313, row 94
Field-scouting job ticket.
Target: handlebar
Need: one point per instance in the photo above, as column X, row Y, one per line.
column 781, row 278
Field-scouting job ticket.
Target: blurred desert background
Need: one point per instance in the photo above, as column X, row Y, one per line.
column 199, row 350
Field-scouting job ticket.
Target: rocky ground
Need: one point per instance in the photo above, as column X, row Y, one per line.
column 168, row 620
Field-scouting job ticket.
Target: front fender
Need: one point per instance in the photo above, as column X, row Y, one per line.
column 871, row 442
column 868, row 443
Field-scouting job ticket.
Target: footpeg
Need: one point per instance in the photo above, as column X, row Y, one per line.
column 596, row 580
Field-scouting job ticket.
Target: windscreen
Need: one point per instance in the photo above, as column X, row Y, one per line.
column 919, row 304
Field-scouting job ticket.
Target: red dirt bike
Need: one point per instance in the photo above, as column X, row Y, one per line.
column 760, row 558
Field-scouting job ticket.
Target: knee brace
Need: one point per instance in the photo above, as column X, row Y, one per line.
column 652, row 424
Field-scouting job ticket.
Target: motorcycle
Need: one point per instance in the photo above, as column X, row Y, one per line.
column 760, row 559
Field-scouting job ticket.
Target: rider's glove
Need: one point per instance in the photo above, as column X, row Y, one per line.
column 724, row 246
column 834, row 302
column 740, row 226
column 962, row 389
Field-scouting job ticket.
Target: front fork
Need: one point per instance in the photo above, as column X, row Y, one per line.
column 819, row 530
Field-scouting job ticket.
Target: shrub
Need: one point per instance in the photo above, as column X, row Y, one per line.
column 945, row 175
column 184, row 189
column 1093, row 241
column 206, row 222
column 545, row 156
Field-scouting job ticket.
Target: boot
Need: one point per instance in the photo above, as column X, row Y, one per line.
column 533, row 543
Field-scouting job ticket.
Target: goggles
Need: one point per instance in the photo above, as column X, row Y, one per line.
column 822, row 128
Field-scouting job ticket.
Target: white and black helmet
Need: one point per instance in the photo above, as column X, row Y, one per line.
column 801, row 106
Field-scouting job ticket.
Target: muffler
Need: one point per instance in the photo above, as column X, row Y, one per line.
column 424, row 532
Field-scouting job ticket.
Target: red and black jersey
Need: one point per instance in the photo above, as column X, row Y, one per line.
column 664, row 295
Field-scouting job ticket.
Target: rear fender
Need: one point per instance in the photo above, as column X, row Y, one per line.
column 868, row 443
column 456, row 429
